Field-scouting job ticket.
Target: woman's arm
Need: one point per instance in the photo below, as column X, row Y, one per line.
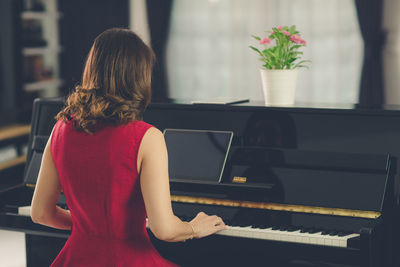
column 47, row 191
column 154, row 181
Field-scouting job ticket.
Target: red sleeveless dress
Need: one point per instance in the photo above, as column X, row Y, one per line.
column 99, row 177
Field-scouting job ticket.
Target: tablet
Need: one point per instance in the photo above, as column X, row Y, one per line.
column 197, row 155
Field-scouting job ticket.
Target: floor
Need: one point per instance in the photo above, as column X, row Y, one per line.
column 12, row 249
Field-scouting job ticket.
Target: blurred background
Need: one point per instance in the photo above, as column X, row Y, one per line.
column 202, row 47
column 202, row 50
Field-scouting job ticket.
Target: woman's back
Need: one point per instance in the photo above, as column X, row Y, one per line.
column 94, row 159
column 98, row 174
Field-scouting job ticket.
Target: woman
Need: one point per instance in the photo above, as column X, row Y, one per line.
column 111, row 166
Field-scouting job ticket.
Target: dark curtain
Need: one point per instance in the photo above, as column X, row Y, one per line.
column 12, row 108
column 159, row 14
column 82, row 21
column 370, row 19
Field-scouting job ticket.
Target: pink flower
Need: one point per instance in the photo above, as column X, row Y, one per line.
column 265, row 41
column 286, row 33
column 297, row 39
column 279, row 28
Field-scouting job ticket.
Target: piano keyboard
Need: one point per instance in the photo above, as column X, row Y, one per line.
column 322, row 238
column 317, row 238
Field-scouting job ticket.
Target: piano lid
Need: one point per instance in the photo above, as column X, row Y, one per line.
column 312, row 178
column 327, row 183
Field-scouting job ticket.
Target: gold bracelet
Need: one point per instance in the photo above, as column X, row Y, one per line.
column 191, row 226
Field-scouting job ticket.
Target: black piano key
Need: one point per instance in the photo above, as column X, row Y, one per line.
column 264, row 226
column 227, row 221
column 283, row 228
column 261, row 223
column 304, row 230
column 344, row 233
column 333, row 233
column 275, row 227
column 243, row 220
column 253, row 222
column 341, row 234
column 325, row 232
column 310, row 230
column 314, row 230
column 293, row 228
column 257, row 225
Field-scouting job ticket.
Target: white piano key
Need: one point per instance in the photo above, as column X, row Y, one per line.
column 285, row 236
column 321, row 241
column 291, row 236
column 313, row 238
column 335, row 241
column 327, row 241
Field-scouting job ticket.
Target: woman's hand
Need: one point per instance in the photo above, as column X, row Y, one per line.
column 205, row 225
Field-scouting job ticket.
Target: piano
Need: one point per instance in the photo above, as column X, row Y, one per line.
column 302, row 186
column 328, row 202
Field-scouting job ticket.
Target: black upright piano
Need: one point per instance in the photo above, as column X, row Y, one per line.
column 302, row 186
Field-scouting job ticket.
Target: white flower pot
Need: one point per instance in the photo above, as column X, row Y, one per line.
column 279, row 86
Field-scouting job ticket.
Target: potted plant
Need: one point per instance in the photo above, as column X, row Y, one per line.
column 281, row 58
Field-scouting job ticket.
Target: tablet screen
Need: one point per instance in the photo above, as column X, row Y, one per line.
column 197, row 155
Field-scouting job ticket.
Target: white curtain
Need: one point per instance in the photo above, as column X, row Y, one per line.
column 138, row 19
column 208, row 54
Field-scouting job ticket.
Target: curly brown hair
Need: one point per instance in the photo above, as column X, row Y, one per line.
column 116, row 82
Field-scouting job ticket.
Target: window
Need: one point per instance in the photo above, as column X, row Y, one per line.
column 208, row 54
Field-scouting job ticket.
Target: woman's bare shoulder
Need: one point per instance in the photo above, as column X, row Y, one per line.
column 153, row 140
column 154, row 133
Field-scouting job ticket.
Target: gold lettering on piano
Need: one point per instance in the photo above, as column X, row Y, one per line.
column 276, row 207
column 239, row 180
